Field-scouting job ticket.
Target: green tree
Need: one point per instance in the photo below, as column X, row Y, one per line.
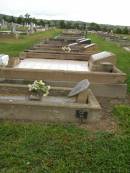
column 118, row 30
column 20, row 20
column 125, row 30
column 11, row 19
column 5, row 18
column 76, row 25
column 68, row 25
column 104, row 28
column 83, row 26
column 41, row 22
column 34, row 20
column 62, row 24
column 94, row 26
column 27, row 18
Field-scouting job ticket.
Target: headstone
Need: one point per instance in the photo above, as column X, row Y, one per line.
column 17, row 35
column 85, row 41
column 96, row 61
column 78, row 40
column 72, row 44
column 90, row 47
column 31, row 27
column 3, row 24
column 80, row 87
column 4, row 59
column 13, row 28
column 46, row 27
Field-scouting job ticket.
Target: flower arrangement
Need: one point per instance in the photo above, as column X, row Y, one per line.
column 66, row 49
column 39, row 87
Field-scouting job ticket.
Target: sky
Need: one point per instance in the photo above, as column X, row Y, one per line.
column 116, row 12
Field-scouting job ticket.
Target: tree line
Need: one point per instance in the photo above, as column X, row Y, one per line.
column 27, row 19
column 63, row 24
column 107, row 28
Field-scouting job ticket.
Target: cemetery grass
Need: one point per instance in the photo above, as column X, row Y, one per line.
column 13, row 46
column 44, row 148
column 123, row 57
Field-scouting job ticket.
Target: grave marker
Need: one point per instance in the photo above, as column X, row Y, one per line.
column 13, row 28
column 80, row 91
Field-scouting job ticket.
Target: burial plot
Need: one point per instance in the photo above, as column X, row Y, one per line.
column 52, row 64
column 57, row 55
column 75, row 47
column 56, row 107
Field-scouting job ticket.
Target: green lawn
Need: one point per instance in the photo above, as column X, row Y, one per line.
column 123, row 57
column 40, row 148
column 13, row 46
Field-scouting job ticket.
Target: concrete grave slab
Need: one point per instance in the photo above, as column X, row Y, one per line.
column 53, row 64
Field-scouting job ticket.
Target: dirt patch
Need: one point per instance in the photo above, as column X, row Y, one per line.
column 107, row 122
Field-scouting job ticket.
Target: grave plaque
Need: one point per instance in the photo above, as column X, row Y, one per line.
column 80, row 87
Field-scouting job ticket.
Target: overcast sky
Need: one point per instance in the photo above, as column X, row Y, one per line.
column 115, row 12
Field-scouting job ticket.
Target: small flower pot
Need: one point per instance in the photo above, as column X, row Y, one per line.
column 13, row 61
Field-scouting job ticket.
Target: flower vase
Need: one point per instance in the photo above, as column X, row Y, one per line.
column 37, row 96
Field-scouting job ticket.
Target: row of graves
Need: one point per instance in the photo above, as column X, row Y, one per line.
column 15, row 30
column 11, row 30
column 72, row 74
column 121, row 40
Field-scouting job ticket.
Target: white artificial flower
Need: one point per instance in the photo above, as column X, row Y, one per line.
column 39, row 86
column 49, row 87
